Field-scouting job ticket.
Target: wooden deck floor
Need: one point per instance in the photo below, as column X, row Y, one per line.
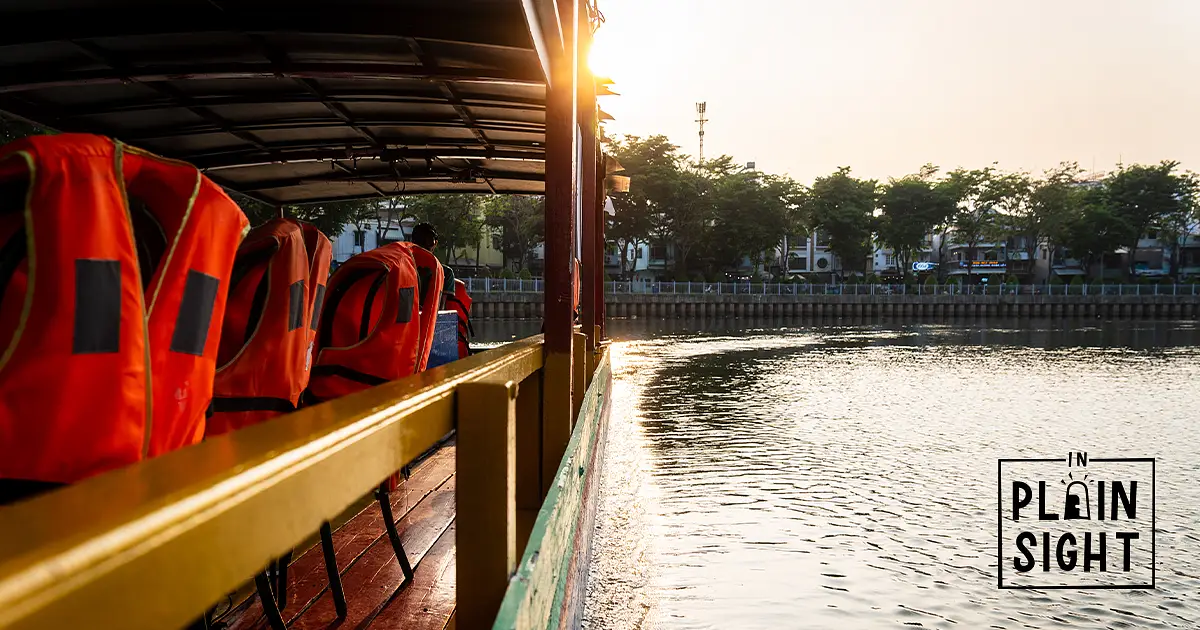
column 376, row 596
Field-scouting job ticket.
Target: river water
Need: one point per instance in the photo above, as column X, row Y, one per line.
column 845, row 477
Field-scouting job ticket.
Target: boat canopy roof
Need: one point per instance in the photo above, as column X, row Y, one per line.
column 293, row 102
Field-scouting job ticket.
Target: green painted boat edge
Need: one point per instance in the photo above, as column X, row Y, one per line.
column 553, row 541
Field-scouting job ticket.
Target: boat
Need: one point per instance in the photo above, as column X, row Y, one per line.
column 307, row 103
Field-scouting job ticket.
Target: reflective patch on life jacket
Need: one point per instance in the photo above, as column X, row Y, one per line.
column 296, row 305
column 97, row 307
column 405, row 311
column 318, row 301
column 195, row 313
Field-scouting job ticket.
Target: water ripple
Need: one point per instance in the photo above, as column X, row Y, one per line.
column 845, row 477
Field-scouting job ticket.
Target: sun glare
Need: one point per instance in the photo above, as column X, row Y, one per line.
column 603, row 57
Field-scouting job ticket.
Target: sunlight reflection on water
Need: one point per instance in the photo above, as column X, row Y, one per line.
column 845, row 477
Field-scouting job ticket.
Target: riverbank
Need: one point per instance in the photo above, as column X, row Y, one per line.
column 914, row 307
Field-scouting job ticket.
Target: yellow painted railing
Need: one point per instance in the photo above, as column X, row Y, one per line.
column 152, row 545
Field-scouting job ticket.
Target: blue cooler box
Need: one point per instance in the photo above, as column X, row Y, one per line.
column 445, row 339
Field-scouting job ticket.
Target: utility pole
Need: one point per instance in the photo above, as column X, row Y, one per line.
column 701, row 108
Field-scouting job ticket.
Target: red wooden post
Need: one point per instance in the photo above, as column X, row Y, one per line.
column 591, row 258
column 601, row 219
column 561, row 197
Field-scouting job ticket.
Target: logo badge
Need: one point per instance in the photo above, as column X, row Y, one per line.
column 1082, row 523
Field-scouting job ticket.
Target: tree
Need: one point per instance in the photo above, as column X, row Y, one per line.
column 1010, row 195
column 653, row 167
column 688, row 213
column 331, row 218
column 1146, row 197
column 458, row 219
column 843, row 207
column 779, row 214
column 521, row 220
column 912, row 207
column 1053, row 201
column 388, row 216
column 753, row 213
column 975, row 193
column 1184, row 221
column 1092, row 229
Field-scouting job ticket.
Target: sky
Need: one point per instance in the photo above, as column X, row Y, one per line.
column 801, row 87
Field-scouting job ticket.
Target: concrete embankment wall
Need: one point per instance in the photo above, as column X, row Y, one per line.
column 529, row 306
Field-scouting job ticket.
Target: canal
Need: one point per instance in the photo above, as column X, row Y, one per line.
column 765, row 476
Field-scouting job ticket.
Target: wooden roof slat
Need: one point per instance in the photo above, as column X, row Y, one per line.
column 225, row 85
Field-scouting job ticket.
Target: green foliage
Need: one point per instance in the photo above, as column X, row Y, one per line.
column 843, row 207
column 653, row 166
column 752, row 213
column 1056, row 280
column 521, row 221
column 1053, row 201
column 931, row 280
column 507, row 274
column 697, row 277
column 705, row 211
column 1077, row 281
column 912, row 207
column 331, row 217
column 978, row 195
column 458, row 219
column 525, row 275
column 1154, row 197
column 1092, row 229
column 1012, row 280
column 688, row 215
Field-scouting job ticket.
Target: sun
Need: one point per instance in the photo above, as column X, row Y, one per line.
column 604, row 57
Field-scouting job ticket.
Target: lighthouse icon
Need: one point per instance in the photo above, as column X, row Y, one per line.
column 1078, row 502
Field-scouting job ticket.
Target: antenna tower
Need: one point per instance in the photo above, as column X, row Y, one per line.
column 701, row 109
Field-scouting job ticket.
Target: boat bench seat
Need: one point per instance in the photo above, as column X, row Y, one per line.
column 376, row 595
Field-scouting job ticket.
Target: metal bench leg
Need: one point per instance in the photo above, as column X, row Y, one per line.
column 335, row 578
column 281, row 579
column 262, row 583
column 385, row 506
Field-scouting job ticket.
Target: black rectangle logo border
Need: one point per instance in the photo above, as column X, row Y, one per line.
column 1099, row 587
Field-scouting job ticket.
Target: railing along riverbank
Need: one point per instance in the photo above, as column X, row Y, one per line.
column 518, row 285
column 517, row 299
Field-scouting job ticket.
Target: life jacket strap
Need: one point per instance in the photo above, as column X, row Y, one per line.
column 466, row 313
column 251, row 403
column 348, row 373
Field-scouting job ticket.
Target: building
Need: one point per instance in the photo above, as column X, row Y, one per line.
column 470, row 259
column 647, row 261
column 809, row 254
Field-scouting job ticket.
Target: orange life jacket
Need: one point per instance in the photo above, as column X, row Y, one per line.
column 113, row 271
column 266, row 351
column 461, row 302
column 378, row 320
